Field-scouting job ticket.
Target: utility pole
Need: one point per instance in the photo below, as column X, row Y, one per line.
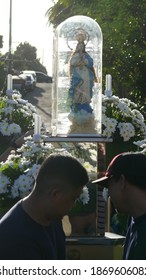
column 10, row 41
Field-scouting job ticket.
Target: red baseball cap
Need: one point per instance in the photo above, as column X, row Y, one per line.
column 132, row 165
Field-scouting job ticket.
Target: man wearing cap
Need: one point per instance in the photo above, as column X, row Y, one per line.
column 125, row 179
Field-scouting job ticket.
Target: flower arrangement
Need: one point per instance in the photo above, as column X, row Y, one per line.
column 16, row 114
column 121, row 119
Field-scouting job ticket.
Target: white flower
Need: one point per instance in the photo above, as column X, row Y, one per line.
column 34, row 170
column 14, row 128
column 24, row 163
column 110, row 124
column 127, row 130
column 11, row 107
column 93, row 156
column 4, row 129
column 15, row 191
column 16, row 95
column 84, row 196
column 24, row 182
column 22, row 101
column 121, row 119
column 4, row 182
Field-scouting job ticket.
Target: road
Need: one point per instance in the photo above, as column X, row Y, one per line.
column 40, row 97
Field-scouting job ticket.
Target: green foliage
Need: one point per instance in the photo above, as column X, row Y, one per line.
column 25, row 58
column 26, row 51
column 2, row 73
column 26, row 122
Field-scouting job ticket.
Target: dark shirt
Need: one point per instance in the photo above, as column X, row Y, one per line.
column 135, row 242
column 22, row 238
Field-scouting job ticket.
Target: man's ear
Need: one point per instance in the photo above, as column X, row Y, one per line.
column 55, row 194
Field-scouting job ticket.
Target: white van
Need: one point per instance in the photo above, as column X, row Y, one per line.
column 33, row 73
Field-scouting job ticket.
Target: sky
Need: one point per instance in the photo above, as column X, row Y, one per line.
column 29, row 24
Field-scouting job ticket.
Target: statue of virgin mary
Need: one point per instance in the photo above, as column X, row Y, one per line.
column 82, row 78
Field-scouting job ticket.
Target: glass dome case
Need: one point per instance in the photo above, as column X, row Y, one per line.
column 77, row 76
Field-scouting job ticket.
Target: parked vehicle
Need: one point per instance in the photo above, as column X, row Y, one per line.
column 29, row 81
column 19, row 84
column 30, row 72
column 43, row 78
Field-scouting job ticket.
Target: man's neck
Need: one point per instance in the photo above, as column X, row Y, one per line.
column 31, row 206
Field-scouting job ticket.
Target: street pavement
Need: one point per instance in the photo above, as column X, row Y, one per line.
column 40, row 97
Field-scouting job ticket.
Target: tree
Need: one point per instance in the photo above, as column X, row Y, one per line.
column 2, row 73
column 25, row 57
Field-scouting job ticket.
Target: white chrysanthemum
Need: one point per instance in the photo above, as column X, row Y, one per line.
column 107, row 133
column 27, row 154
column 84, row 196
column 127, row 131
column 111, row 125
column 14, row 128
column 36, row 149
column 24, row 182
column 125, row 110
column 4, row 129
column 138, row 115
column 34, row 170
column 15, row 191
column 93, row 155
column 4, row 182
column 24, row 163
column 25, row 113
column 12, row 157
column 16, row 95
